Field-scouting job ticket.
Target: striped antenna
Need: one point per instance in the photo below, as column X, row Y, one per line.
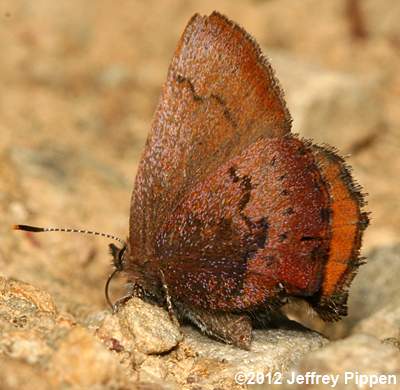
column 117, row 253
column 35, row 229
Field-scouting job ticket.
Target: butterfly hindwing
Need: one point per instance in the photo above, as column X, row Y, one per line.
column 252, row 230
column 348, row 222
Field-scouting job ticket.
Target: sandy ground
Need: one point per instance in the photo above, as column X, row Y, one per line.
column 79, row 84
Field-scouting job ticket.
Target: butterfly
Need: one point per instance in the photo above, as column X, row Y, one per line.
column 231, row 213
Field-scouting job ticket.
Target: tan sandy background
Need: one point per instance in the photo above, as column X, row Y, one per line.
column 79, row 84
column 79, row 81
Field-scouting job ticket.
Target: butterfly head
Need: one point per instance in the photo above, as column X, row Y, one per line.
column 118, row 256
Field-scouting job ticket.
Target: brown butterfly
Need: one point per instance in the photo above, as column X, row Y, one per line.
column 231, row 213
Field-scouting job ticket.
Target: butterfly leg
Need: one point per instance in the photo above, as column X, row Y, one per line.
column 230, row 328
column 120, row 302
column 134, row 290
column 170, row 308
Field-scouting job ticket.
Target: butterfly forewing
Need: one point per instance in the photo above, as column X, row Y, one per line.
column 219, row 97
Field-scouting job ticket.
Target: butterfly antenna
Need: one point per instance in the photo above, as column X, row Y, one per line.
column 36, row 229
column 115, row 251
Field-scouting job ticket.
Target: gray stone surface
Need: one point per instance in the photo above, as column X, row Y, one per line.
column 137, row 345
column 51, row 347
column 271, row 350
column 376, row 284
column 149, row 326
column 384, row 323
column 358, row 354
column 80, row 359
column 336, row 108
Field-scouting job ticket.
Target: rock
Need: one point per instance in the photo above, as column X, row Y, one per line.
column 383, row 324
column 19, row 375
column 24, row 295
column 27, row 316
column 132, row 347
column 145, row 331
column 271, row 350
column 82, row 360
column 28, row 346
column 393, row 341
column 153, row 369
column 330, row 107
column 149, row 326
column 376, row 284
column 35, row 336
column 358, row 354
column 109, row 331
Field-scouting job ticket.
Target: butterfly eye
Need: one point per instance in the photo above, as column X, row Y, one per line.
column 117, row 255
